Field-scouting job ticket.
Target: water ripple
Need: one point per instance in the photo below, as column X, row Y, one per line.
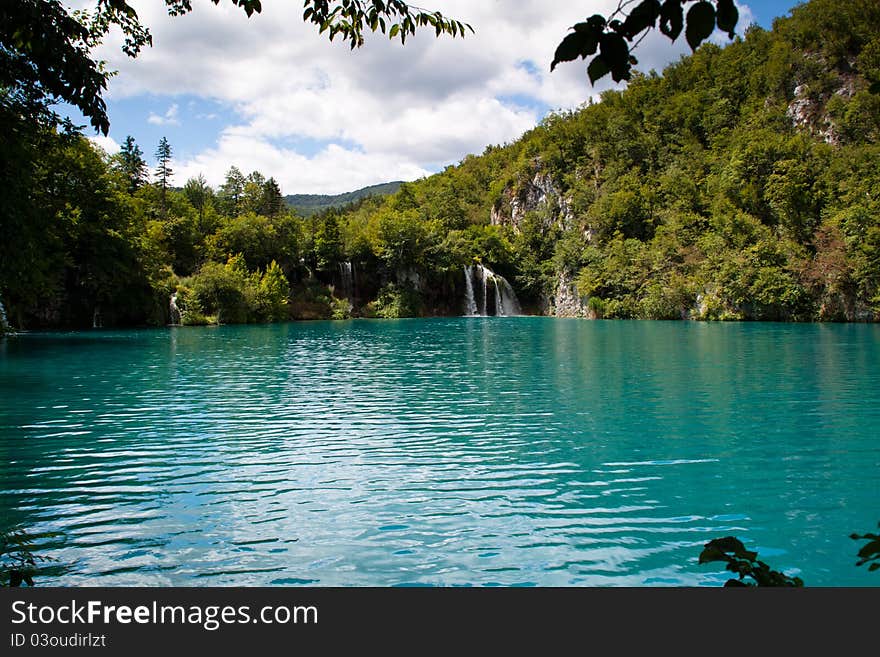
column 443, row 452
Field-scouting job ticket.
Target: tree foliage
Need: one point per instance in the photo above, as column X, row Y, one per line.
column 131, row 164
column 19, row 563
column 869, row 553
column 611, row 41
column 745, row 564
column 350, row 18
column 163, row 170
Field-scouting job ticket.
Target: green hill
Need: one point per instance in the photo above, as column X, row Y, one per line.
column 742, row 183
column 308, row 204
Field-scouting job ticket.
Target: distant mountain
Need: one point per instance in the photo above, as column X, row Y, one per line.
column 309, row 204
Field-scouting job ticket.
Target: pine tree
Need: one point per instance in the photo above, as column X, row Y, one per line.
column 163, row 169
column 131, row 163
column 272, row 203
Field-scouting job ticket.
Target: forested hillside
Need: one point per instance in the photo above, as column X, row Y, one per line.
column 742, row 183
column 307, row 204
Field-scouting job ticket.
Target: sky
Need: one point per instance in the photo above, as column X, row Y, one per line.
column 269, row 94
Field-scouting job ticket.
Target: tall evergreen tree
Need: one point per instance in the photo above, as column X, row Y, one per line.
column 163, row 167
column 273, row 202
column 130, row 162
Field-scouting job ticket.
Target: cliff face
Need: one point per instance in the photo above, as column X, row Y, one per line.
column 537, row 194
column 566, row 301
column 541, row 196
column 809, row 110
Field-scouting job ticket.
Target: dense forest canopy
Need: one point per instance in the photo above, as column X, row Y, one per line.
column 742, row 183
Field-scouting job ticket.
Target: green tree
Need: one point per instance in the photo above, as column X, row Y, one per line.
column 232, row 192
column 131, row 164
column 228, row 292
column 163, row 169
column 199, row 194
column 274, row 294
column 260, row 239
column 253, row 198
column 272, row 203
column 328, row 241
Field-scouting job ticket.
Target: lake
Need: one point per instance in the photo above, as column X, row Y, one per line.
column 472, row 451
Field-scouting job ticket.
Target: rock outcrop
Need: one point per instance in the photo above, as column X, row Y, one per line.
column 539, row 194
column 566, row 301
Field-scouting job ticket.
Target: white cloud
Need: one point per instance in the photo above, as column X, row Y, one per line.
column 330, row 171
column 107, row 144
column 169, row 118
column 379, row 113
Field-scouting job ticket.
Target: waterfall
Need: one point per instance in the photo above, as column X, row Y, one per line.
column 97, row 321
column 175, row 311
column 4, row 320
column 484, row 277
column 346, row 279
column 470, row 303
column 506, row 303
column 509, row 303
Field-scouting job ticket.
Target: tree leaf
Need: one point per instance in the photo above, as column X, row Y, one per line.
column 576, row 44
column 700, row 24
column 615, row 52
column 728, row 544
column 671, row 18
column 641, row 18
column 870, row 548
column 595, row 25
column 728, row 17
column 597, row 69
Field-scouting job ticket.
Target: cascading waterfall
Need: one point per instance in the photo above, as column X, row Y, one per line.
column 505, row 302
column 4, row 320
column 346, row 279
column 485, row 278
column 509, row 304
column 174, row 310
column 97, row 320
column 470, row 303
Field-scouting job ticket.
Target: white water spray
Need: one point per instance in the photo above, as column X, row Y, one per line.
column 4, row 320
column 505, row 302
column 470, row 303
column 346, row 278
column 174, row 310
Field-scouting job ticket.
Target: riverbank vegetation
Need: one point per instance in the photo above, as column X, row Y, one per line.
column 743, row 183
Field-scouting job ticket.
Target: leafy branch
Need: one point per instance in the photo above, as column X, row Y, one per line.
column 349, row 19
column 870, row 552
column 18, row 563
column 745, row 564
column 615, row 37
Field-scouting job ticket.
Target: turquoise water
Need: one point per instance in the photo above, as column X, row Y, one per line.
column 525, row 451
